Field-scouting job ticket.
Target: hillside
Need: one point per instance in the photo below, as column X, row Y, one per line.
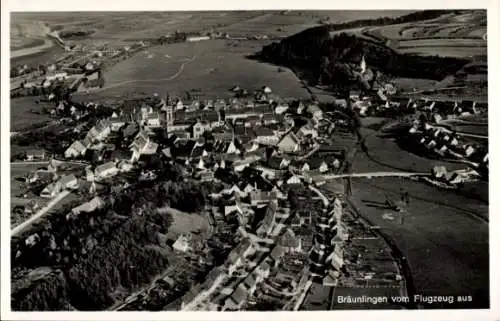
column 312, row 52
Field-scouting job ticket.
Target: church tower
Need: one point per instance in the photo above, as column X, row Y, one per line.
column 170, row 114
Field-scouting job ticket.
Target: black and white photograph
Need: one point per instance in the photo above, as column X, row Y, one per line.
column 247, row 160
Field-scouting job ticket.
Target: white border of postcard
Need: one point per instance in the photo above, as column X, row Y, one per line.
column 157, row 5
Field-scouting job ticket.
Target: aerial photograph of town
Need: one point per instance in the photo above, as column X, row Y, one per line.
column 259, row 160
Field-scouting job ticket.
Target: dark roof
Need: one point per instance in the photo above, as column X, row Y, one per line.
column 250, row 281
column 121, row 154
column 197, row 151
column 239, row 294
column 277, row 252
column 131, row 130
column 263, row 131
column 243, row 131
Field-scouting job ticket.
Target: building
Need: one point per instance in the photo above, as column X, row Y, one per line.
column 117, row 122
column 199, row 128
column 89, row 206
column 68, row 181
column 197, row 38
column 315, row 111
column 237, row 298
column 269, row 220
column 76, row 149
column 290, row 242
column 169, row 113
column 35, row 154
column 294, row 180
column 100, row 131
column 153, row 120
column 181, row 244
column 106, row 170
column 265, row 136
column 289, row 143
column 51, row 190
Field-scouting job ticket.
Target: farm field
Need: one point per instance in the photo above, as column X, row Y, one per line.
column 213, row 67
column 454, row 35
column 442, row 231
column 21, row 116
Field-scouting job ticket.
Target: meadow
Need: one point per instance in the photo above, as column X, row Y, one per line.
column 208, row 69
column 25, row 112
column 444, row 236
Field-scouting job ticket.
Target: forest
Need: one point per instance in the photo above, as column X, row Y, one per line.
column 96, row 253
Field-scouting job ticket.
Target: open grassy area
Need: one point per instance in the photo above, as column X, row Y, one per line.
column 442, row 236
column 213, row 67
column 384, row 154
column 24, row 112
column 185, row 222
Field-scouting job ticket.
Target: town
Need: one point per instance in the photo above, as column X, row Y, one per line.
column 251, row 201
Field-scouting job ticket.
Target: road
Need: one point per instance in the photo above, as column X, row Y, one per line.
column 375, row 174
column 181, row 68
column 191, row 306
column 18, row 229
column 30, row 163
column 472, row 135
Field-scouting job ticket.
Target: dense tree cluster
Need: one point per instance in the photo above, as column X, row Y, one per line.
column 320, row 57
column 47, row 294
column 66, row 34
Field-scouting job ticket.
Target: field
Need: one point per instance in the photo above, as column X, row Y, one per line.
column 21, row 115
column 454, row 35
column 442, row 231
column 211, row 68
column 385, row 155
column 458, row 35
column 443, row 236
column 185, row 222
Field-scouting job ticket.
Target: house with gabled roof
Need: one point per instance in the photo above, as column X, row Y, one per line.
column 76, row 149
column 289, row 143
column 236, row 299
column 106, row 170
column 265, row 136
column 118, row 121
column 33, row 154
column 290, row 242
column 68, row 181
column 51, row 190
